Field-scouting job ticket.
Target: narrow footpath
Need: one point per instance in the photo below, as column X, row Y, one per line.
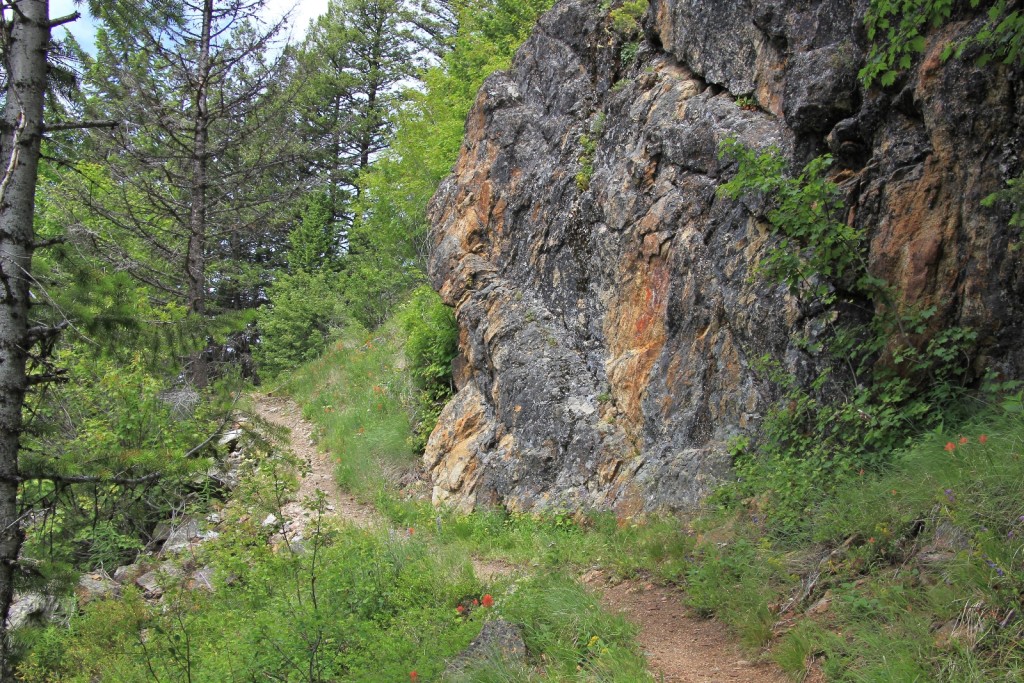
column 680, row 647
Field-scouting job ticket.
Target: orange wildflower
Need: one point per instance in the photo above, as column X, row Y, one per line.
column 950, row 446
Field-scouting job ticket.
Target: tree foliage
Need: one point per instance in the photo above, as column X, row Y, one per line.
column 349, row 76
column 898, row 32
column 188, row 184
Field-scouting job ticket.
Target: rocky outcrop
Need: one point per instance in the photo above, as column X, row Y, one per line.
column 609, row 319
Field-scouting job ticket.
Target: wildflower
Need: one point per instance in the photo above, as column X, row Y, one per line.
column 963, row 440
column 460, row 609
column 413, row 676
column 411, row 531
column 488, row 601
column 871, row 540
column 476, row 603
column 993, row 565
column 950, row 496
column 950, row 446
column 983, row 438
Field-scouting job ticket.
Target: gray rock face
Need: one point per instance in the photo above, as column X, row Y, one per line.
column 608, row 328
column 181, row 536
column 96, row 586
column 32, row 609
column 498, row 640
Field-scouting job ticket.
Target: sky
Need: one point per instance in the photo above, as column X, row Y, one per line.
column 85, row 28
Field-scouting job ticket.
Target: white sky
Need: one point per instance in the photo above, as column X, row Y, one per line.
column 304, row 10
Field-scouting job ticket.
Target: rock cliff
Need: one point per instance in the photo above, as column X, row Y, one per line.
column 608, row 317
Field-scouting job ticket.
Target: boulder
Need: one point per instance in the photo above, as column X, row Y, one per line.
column 498, row 640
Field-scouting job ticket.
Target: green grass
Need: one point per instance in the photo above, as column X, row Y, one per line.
column 882, row 610
column 860, row 550
column 888, row 603
column 361, row 399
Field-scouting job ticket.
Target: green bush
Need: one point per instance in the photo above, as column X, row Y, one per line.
column 625, row 19
column 432, row 337
column 898, row 30
column 295, row 328
column 888, row 379
column 110, row 421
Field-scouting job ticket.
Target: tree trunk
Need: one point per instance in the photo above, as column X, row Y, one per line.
column 20, row 135
column 195, row 265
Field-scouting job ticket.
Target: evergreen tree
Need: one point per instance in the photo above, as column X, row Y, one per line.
column 314, row 242
column 183, row 193
column 347, row 85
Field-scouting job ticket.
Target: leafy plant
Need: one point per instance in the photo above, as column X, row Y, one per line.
column 431, row 345
column 816, row 248
column 628, row 52
column 1013, row 195
column 888, row 378
column 625, row 19
column 747, row 102
column 588, row 143
column 898, row 30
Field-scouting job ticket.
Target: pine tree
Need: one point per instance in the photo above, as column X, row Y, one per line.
column 189, row 186
column 349, row 72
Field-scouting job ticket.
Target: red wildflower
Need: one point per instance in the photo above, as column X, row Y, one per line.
column 963, row 440
column 413, row 676
column 982, row 439
column 460, row 609
column 476, row 603
column 871, row 540
column 411, row 531
column 488, row 601
column 950, row 446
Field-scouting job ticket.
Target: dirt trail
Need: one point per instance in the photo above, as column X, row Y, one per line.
column 282, row 412
column 680, row 647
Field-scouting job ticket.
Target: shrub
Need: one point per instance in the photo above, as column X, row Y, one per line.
column 888, row 379
column 295, row 327
column 897, row 29
column 431, row 345
column 625, row 19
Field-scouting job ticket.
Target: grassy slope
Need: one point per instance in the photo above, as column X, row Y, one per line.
column 914, row 575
